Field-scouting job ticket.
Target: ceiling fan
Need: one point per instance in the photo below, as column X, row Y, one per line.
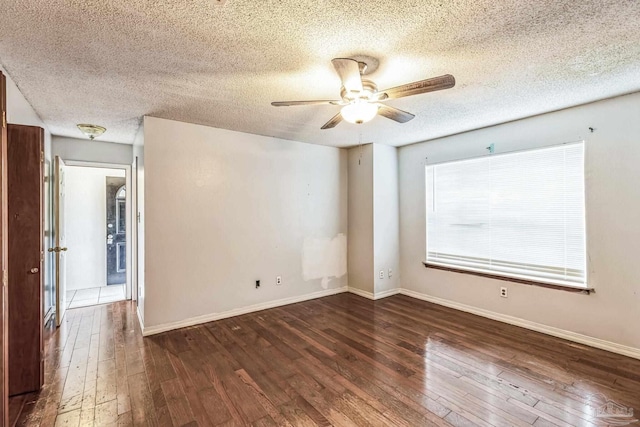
column 361, row 100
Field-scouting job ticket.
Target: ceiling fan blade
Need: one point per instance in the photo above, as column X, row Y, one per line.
column 292, row 103
column 333, row 122
column 349, row 72
column 394, row 113
column 380, row 96
column 422, row 86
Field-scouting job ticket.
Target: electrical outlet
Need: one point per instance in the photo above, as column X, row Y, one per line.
column 503, row 292
column 257, row 284
column 278, row 280
column 381, row 275
column 390, row 273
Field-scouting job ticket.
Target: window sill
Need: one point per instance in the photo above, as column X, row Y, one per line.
column 530, row 282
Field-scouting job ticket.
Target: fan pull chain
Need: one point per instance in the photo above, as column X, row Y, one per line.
column 360, row 145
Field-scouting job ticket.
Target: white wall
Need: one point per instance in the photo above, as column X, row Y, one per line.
column 19, row 111
column 92, row 151
column 224, row 209
column 85, row 220
column 360, row 241
column 386, row 214
column 612, row 209
column 373, row 220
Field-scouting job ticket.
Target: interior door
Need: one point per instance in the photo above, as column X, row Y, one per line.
column 61, row 244
column 26, row 257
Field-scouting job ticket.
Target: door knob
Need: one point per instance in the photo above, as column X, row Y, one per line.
column 57, row 249
column 34, row 270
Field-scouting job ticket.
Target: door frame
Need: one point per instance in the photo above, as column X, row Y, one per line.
column 136, row 220
column 58, row 242
column 130, row 291
column 4, row 260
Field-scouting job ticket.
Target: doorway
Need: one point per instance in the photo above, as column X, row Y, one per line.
column 116, row 230
column 96, row 223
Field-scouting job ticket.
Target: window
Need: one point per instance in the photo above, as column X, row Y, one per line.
column 518, row 215
column 121, row 211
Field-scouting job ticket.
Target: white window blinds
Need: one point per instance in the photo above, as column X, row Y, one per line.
column 519, row 214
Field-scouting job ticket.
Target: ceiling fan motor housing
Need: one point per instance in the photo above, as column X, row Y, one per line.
column 369, row 89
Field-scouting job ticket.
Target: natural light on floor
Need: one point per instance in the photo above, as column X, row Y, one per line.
column 93, row 296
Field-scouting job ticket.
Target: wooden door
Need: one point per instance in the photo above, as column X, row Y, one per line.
column 26, row 258
column 4, row 262
column 61, row 241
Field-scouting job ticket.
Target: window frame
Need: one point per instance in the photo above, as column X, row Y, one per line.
column 505, row 276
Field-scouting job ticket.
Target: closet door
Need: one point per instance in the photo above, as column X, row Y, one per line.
column 26, row 258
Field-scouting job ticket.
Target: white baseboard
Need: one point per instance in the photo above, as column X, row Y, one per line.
column 511, row 320
column 387, row 293
column 364, row 294
column 140, row 320
column 538, row 327
column 377, row 295
column 152, row 330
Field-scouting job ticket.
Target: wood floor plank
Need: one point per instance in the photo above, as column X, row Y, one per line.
column 341, row 360
column 263, row 399
column 178, row 405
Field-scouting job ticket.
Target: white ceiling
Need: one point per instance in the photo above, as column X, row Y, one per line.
column 111, row 62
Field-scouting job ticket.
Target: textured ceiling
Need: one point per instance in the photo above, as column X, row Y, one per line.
column 111, row 62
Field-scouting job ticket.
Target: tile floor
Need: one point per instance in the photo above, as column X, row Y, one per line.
column 94, row 296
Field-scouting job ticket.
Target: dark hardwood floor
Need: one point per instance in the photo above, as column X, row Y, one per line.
column 339, row 360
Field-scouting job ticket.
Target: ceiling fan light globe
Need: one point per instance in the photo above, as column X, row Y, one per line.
column 359, row 112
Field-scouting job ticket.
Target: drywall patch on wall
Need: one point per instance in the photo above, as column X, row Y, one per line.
column 261, row 197
column 324, row 258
